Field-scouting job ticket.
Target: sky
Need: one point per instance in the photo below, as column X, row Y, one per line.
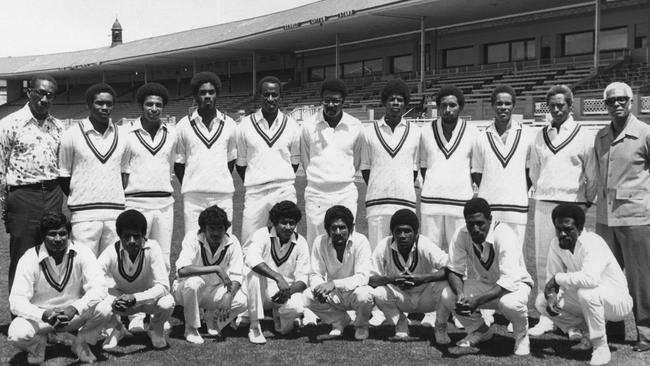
column 36, row 27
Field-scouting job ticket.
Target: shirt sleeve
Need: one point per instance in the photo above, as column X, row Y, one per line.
column 232, row 140
column 377, row 267
column 22, row 290
column 93, row 282
column 180, row 141
column 366, row 159
column 590, row 167
column 6, row 143
column 437, row 256
column 189, row 250
column 295, row 145
column 362, row 264
column 358, row 143
column 423, row 150
column 534, row 164
column 126, row 157
column 106, row 261
column 242, row 146
column 509, row 259
column 254, row 250
column 318, row 273
column 554, row 264
column 236, row 263
column 302, row 262
column 305, row 142
column 66, row 153
column 458, row 253
column 594, row 262
column 160, row 286
column 477, row 155
column 416, row 151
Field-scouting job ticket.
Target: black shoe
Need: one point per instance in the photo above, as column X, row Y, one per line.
column 615, row 331
column 641, row 346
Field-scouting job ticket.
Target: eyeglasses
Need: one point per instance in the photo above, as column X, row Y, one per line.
column 620, row 100
column 42, row 93
column 334, row 101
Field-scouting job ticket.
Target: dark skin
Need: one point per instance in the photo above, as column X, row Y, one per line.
column 285, row 228
column 332, row 102
column 56, row 243
column 619, row 111
column 215, row 236
column 449, row 111
column 41, row 95
column 152, row 107
column 406, row 237
column 132, row 240
column 478, row 226
column 339, row 233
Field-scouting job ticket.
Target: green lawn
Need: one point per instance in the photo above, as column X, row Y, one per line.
column 307, row 348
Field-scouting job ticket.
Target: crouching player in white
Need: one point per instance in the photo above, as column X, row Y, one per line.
column 502, row 280
column 408, row 272
column 586, row 285
column 340, row 268
column 137, row 281
column 209, row 270
column 56, row 289
column 280, row 254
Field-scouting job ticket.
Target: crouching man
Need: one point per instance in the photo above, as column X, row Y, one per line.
column 340, row 268
column 56, row 289
column 209, row 270
column 502, row 282
column 136, row 276
column 278, row 258
column 586, row 286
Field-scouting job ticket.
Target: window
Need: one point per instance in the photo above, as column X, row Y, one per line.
column 362, row 68
column 583, row 42
column 458, row 57
column 613, row 39
column 510, row 51
column 373, row 67
column 353, row 69
column 316, row 73
column 401, row 64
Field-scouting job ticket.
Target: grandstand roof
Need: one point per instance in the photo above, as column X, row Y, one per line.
column 305, row 27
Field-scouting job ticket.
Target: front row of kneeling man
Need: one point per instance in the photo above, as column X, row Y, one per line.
column 61, row 287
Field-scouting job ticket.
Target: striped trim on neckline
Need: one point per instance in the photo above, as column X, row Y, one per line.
column 59, row 286
column 493, row 144
column 398, row 263
column 280, row 260
column 208, row 142
column 120, row 265
column 555, row 149
column 101, row 157
column 490, row 259
column 392, row 152
column 206, row 259
column 269, row 140
column 152, row 149
column 440, row 141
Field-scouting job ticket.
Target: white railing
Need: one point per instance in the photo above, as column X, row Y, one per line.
column 644, row 105
column 593, row 107
column 541, row 109
column 304, row 112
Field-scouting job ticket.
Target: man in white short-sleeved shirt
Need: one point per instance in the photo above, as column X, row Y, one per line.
column 408, row 272
column 501, row 281
column 57, row 288
column 586, row 285
column 340, row 268
column 268, row 154
column 150, row 155
column 209, row 269
column 206, row 152
column 278, row 259
column 91, row 166
column 330, row 149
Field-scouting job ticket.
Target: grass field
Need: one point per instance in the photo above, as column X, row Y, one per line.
column 306, row 347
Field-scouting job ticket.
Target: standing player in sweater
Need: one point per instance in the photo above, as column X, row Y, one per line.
column 91, row 163
column 330, row 149
column 278, row 259
column 150, row 155
column 561, row 160
column 57, row 288
column 268, row 153
column 389, row 162
column 137, row 280
column 206, row 152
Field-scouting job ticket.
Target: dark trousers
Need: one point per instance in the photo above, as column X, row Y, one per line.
column 631, row 247
column 25, row 207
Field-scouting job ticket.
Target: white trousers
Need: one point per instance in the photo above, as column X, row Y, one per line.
column 513, row 305
column 160, row 309
column 96, row 235
column 334, row 311
column 317, row 202
column 160, row 225
column 440, row 229
column 544, row 234
column 194, row 203
column 378, row 228
column 194, row 294
column 589, row 308
column 258, row 204
column 26, row 334
column 393, row 301
column 260, row 291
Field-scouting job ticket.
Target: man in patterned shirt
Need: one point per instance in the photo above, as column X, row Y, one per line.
column 29, row 143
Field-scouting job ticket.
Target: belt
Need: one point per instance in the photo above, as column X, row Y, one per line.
column 46, row 185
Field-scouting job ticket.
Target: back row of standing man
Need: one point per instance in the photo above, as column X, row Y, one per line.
column 104, row 169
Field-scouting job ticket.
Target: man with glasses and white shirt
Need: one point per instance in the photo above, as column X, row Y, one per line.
column 623, row 215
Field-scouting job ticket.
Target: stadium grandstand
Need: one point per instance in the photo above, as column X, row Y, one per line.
column 475, row 45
